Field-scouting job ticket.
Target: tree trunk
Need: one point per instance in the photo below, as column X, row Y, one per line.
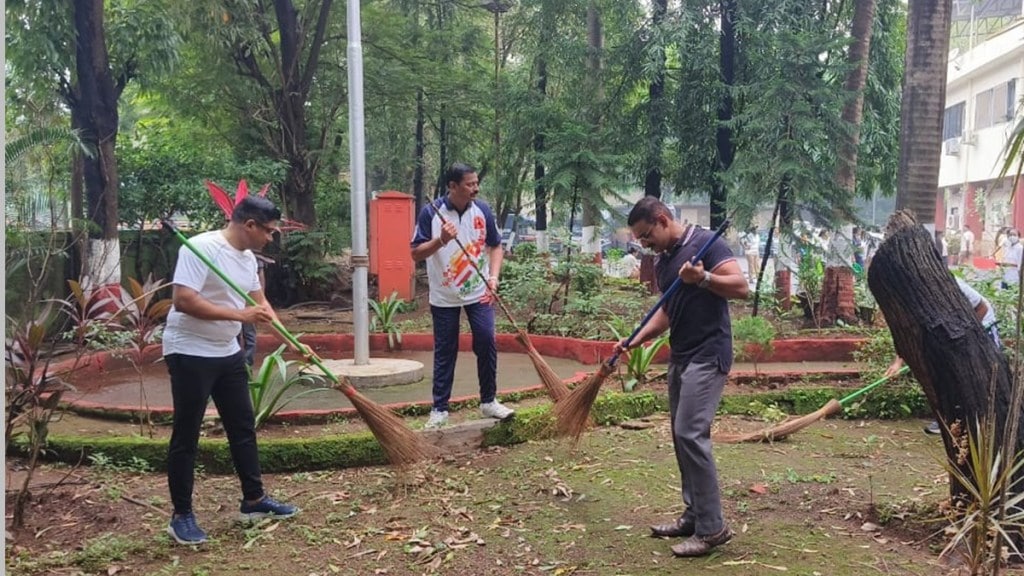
column 921, row 112
column 417, row 175
column 863, row 17
column 938, row 335
column 656, row 111
column 290, row 102
column 723, row 139
column 540, row 192
column 97, row 111
column 591, row 239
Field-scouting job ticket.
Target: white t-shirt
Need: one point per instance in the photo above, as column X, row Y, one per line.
column 967, row 242
column 1012, row 254
column 975, row 298
column 186, row 334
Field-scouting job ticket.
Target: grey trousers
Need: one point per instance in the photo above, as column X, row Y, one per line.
column 694, row 391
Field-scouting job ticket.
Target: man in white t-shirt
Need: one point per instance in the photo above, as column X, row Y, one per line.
column 204, row 359
column 455, row 285
column 1012, row 256
column 966, row 246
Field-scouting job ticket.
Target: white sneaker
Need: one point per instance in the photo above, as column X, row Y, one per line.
column 438, row 419
column 496, row 410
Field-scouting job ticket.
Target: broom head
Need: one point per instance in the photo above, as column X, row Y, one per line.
column 784, row 429
column 401, row 445
column 572, row 415
column 552, row 383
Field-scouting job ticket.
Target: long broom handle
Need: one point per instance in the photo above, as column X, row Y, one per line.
column 672, row 289
column 248, row 300
column 872, row 386
column 480, row 272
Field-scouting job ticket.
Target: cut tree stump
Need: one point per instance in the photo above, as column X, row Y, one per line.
column 936, row 332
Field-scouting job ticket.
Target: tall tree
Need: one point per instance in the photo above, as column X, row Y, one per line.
column 724, row 141
column 656, row 103
column 863, row 16
column 924, row 95
column 94, row 112
column 86, row 53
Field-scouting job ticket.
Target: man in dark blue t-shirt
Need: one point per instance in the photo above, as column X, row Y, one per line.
column 701, row 345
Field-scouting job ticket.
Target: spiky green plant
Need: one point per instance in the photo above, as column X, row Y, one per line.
column 385, row 314
column 275, row 369
column 991, row 509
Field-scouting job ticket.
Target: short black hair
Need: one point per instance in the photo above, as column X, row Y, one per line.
column 456, row 172
column 648, row 209
column 255, row 208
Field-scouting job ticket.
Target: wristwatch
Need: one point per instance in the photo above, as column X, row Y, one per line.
column 706, row 281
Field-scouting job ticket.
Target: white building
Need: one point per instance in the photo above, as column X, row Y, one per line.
column 983, row 96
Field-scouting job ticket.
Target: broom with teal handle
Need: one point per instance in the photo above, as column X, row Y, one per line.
column 400, row 444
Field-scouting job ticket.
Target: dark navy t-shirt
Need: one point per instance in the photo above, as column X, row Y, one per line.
column 699, row 319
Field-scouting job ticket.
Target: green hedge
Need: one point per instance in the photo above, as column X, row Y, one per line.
column 534, row 423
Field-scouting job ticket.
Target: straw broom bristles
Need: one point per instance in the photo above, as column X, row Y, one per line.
column 556, row 388
column 572, row 415
column 784, row 429
column 401, row 445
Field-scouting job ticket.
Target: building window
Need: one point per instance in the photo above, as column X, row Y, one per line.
column 995, row 105
column 953, row 121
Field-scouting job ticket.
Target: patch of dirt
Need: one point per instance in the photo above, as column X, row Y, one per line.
column 812, row 504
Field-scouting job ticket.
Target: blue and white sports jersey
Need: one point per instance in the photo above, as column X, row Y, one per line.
column 453, row 281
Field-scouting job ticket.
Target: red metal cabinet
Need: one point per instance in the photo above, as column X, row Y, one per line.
column 391, row 227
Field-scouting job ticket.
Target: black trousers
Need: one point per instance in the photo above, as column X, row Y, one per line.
column 194, row 380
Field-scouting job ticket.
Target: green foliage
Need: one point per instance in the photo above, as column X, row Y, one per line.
column 104, row 463
column 274, row 378
column 308, row 273
column 752, row 330
column 639, row 361
column 100, row 553
column 384, row 318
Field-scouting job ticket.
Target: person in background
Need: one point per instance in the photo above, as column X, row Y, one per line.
column 967, row 247
column 248, row 334
column 750, row 242
column 1011, row 259
column 943, row 245
column 857, row 242
column 701, row 357
column 204, row 359
column 985, row 313
column 455, row 286
column 630, row 264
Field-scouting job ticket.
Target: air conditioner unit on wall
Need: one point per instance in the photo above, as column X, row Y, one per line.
column 969, row 138
column 951, row 147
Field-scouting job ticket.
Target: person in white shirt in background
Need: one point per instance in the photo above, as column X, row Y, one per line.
column 1011, row 259
column 630, row 264
column 967, row 246
column 751, row 244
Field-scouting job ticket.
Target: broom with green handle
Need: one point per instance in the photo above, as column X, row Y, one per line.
column 400, row 444
column 788, row 427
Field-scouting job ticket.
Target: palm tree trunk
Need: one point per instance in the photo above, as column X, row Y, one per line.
column 924, row 95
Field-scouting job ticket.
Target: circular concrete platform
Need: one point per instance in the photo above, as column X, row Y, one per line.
column 378, row 373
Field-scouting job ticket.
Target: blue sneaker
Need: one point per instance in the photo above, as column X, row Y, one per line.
column 184, row 530
column 265, row 508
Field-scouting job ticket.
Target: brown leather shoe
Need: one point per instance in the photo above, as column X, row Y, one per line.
column 680, row 528
column 699, row 545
